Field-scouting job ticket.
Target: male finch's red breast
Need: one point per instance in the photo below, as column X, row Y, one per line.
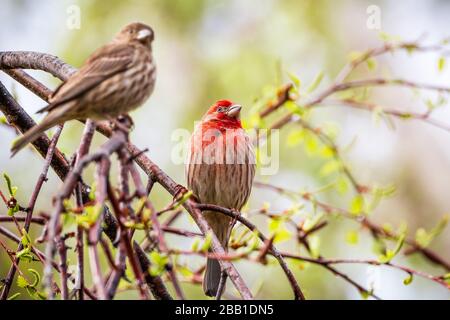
column 220, row 170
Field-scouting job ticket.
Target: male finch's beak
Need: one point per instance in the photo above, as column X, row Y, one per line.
column 144, row 33
column 234, row 111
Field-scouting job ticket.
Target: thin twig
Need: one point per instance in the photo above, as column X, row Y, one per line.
column 37, row 189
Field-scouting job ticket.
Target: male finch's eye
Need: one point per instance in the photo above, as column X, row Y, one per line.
column 221, row 109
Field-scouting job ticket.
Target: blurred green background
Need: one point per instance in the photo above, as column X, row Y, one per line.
column 208, row 50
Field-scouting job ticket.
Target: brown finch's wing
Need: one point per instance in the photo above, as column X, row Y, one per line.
column 101, row 65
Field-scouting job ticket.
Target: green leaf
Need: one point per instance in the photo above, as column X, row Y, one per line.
column 207, row 243
column 295, row 137
column 37, row 277
column 446, row 277
column 67, row 204
column 185, row 197
column 256, row 121
column 24, row 253
column 389, row 37
column 327, row 152
column 342, row 185
column 146, row 215
column 40, row 296
column 314, row 244
column 69, row 220
column 346, row 94
column 379, row 114
column 390, row 254
column 277, row 228
column 330, row 167
column 311, row 220
column 21, row 282
column 298, row 264
column 378, row 195
column 282, row 235
column 295, row 80
column 92, row 192
column 352, row 237
column 387, row 227
column 365, row 294
column 159, row 262
column 31, row 291
column 355, row 55
column 92, row 213
column 11, row 211
column 14, row 296
column 371, row 64
column 294, row 108
column 26, row 240
column 253, row 241
column 441, row 64
column 408, row 280
column 311, row 144
column 195, row 244
column 400, row 242
column 11, row 189
column 387, row 257
column 357, row 204
column 274, row 225
column 424, row 238
column 315, row 83
column 185, row 272
column 141, row 204
column 378, row 247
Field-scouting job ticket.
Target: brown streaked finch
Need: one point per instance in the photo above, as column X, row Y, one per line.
column 220, row 170
column 115, row 79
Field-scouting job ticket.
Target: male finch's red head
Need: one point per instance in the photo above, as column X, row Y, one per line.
column 225, row 112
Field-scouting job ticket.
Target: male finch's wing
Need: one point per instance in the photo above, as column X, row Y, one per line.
column 102, row 64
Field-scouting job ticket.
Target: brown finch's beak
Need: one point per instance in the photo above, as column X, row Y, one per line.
column 144, row 33
column 234, row 111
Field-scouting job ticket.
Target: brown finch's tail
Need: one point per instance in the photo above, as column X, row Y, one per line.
column 32, row 134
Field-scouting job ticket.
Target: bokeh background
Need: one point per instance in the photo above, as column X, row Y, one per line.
column 208, row 50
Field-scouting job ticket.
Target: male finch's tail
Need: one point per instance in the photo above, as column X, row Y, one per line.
column 220, row 225
column 212, row 277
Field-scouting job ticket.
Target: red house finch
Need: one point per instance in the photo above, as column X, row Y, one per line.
column 114, row 80
column 220, row 170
